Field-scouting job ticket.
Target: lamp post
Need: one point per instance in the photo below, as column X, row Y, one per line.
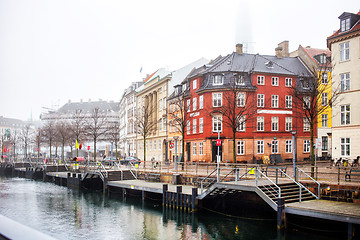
column 176, row 157
column 293, row 133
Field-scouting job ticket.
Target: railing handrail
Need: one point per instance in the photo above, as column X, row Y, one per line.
column 131, row 171
column 318, row 197
column 202, row 184
column 279, row 192
column 227, row 174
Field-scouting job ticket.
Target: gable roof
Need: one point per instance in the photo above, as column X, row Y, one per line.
column 354, row 28
column 72, row 107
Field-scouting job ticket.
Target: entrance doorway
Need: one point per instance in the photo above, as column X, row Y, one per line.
column 214, row 150
column 188, row 153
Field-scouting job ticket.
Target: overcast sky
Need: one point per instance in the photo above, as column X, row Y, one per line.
column 55, row 50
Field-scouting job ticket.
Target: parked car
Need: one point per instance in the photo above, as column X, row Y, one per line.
column 128, row 160
column 109, row 160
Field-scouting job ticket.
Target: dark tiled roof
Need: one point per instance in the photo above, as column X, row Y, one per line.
column 354, row 28
column 11, row 122
column 72, row 107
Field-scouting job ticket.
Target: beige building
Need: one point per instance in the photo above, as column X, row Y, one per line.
column 153, row 94
column 345, row 49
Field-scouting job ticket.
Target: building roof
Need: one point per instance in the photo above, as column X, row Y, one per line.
column 354, row 28
column 72, row 107
column 11, row 122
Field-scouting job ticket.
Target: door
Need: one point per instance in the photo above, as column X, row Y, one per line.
column 188, row 148
column 215, row 151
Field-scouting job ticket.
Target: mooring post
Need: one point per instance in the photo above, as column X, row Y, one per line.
column 143, row 195
column 194, row 198
column 165, row 188
column 178, row 192
column 281, row 214
column 350, row 231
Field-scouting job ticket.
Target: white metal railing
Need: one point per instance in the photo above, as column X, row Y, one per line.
column 318, row 184
column 273, row 188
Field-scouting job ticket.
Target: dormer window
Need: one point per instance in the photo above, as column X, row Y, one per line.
column 344, row 25
column 239, row 80
column 269, row 64
column 323, row 59
column 218, row 80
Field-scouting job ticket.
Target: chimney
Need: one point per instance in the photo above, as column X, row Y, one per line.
column 282, row 50
column 239, row 48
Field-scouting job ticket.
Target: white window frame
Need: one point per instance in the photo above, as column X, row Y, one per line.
column 288, row 124
column 275, row 101
column 288, row 101
column 217, row 123
column 275, row 124
column 345, row 147
column 344, row 51
column 324, row 120
column 201, row 125
column 241, row 124
column 240, row 147
column 194, row 125
column 218, row 80
column 275, row 146
column 194, row 148
column 306, row 146
column 324, row 78
column 306, row 125
column 239, row 80
column 241, row 99
column 345, row 25
column 345, row 114
column 188, row 127
column 275, row 81
column 217, row 99
column 201, row 148
column 288, row 146
column 260, row 147
column 260, row 123
column 288, row 82
column 344, row 82
column 306, row 102
column 261, row 80
column 194, row 104
column 201, row 102
column 188, row 103
column 194, row 83
column 261, row 100
column 324, row 99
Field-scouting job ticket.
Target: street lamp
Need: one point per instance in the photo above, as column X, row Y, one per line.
column 293, row 133
column 176, row 157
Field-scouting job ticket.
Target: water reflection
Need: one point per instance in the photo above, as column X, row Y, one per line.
column 71, row 214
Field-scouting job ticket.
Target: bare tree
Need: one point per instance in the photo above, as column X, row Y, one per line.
column 96, row 127
column 25, row 138
column 114, row 135
column 63, row 135
column 49, row 134
column 145, row 124
column 77, row 127
column 313, row 96
column 237, row 108
column 14, row 140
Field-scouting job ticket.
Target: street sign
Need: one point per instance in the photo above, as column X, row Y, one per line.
column 318, row 143
column 88, row 148
column 171, row 145
column 218, row 142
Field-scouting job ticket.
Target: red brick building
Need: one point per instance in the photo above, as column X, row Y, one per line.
column 263, row 93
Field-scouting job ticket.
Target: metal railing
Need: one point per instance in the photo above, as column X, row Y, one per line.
column 272, row 188
column 316, row 182
column 209, row 183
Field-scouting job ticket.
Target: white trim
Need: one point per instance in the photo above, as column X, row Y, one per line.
column 274, row 111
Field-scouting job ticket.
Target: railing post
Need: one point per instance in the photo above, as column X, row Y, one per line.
column 300, row 194
column 256, row 176
column 338, row 175
column 277, row 175
column 236, row 175
column 280, row 214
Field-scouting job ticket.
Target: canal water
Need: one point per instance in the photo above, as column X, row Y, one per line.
column 65, row 213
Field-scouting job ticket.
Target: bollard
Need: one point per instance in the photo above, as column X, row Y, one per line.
column 194, row 199
column 178, row 192
column 281, row 214
column 165, row 188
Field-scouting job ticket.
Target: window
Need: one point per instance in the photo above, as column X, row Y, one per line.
column 240, row 147
column 306, row 146
column 345, row 147
column 160, row 124
column 201, row 148
column 274, row 123
column 260, row 147
column 260, row 100
column 345, row 114
column 154, row 144
column 188, row 105
column 164, row 106
column 164, row 124
column 288, row 101
column 324, row 120
column 241, row 124
column 306, row 125
column 288, row 123
column 274, row 101
column 218, row 80
column 194, row 125
column 239, row 80
column 324, row 99
column 150, row 144
column 188, row 128
column 217, row 123
column 261, row 80
column 194, row 148
column 306, row 102
column 201, row 125
column 344, row 51
column 240, row 100
column 194, row 104
column 288, row 82
column 344, row 82
column 288, row 146
column 305, row 83
column 324, row 78
column 160, row 104
column 217, row 99
column 275, row 81
column 195, row 84
column 344, row 25
column 324, row 143
column 260, row 123
column 274, row 146
column 322, row 58
column 201, row 102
